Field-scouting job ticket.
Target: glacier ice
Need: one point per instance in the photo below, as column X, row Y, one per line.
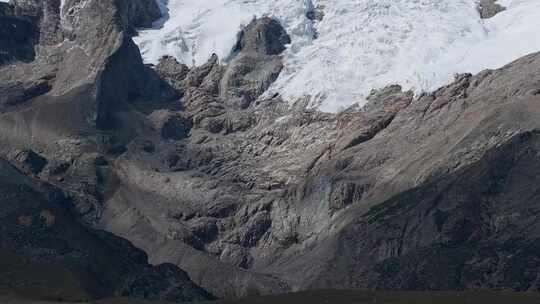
column 359, row 45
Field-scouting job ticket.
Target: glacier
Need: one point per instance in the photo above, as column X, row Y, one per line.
column 358, row 46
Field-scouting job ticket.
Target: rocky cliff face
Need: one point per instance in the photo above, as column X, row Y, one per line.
column 251, row 195
column 59, row 91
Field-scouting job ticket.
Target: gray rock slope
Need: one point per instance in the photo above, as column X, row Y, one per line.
column 250, row 195
column 46, row 253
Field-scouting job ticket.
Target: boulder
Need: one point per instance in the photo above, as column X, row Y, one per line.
column 489, row 8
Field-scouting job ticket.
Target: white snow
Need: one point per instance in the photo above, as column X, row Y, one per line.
column 361, row 44
column 192, row 30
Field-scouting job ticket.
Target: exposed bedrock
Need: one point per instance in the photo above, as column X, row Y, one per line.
column 287, row 200
column 477, row 225
column 489, row 8
column 137, row 14
column 17, row 36
column 47, row 254
column 251, row 195
column 89, row 79
column 255, row 64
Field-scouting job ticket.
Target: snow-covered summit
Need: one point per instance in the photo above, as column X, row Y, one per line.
column 358, row 45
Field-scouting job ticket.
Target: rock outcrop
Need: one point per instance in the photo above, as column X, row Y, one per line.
column 137, row 14
column 60, row 76
column 47, row 254
column 252, row 195
column 255, row 64
column 18, row 35
column 79, row 78
column 295, row 186
column 489, row 8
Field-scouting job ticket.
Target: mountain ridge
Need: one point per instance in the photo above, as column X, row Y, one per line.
column 250, row 195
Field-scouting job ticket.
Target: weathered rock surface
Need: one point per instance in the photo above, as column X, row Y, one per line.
column 60, row 100
column 255, row 64
column 264, row 36
column 250, row 195
column 18, row 36
column 136, row 14
column 47, row 253
column 80, row 77
column 489, row 8
column 476, row 225
column 295, row 186
column 29, row 161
